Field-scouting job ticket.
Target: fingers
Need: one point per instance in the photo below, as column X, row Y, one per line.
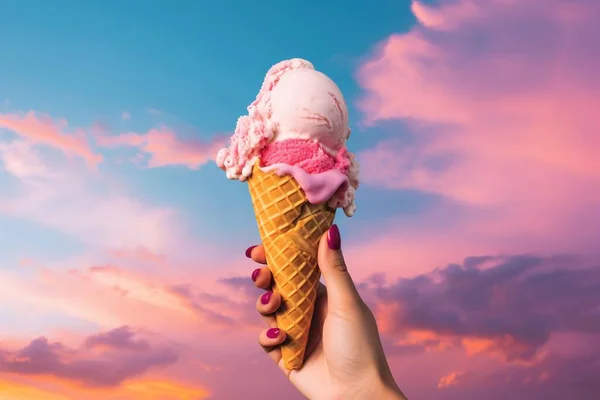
column 270, row 338
column 257, row 254
column 340, row 286
column 262, row 278
column 268, row 303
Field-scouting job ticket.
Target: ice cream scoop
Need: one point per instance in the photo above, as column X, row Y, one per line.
column 298, row 123
column 307, row 104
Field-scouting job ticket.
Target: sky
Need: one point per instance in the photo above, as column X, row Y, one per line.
column 476, row 236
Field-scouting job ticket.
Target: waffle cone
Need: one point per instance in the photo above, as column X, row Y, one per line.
column 290, row 228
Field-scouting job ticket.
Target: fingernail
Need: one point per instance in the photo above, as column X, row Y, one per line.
column 266, row 297
column 273, row 333
column 249, row 251
column 334, row 240
column 255, row 274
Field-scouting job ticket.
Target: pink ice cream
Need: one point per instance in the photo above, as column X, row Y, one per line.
column 305, row 154
column 298, row 125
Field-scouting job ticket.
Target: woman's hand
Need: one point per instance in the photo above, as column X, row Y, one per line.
column 344, row 357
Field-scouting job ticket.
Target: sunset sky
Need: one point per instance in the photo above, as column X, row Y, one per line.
column 476, row 239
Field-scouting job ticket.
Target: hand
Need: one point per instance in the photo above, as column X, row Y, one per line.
column 344, row 357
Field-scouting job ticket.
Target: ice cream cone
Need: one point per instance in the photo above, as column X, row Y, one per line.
column 290, row 228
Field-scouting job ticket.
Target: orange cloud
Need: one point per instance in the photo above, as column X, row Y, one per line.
column 16, row 391
column 139, row 389
column 165, row 390
column 44, row 130
column 164, row 148
column 449, row 380
column 429, row 340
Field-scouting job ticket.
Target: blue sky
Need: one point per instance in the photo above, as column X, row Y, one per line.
column 502, row 169
column 200, row 63
column 201, row 60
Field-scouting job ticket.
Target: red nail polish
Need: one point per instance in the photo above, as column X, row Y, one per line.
column 249, row 251
column 273, row 333
column 266, row 297
column 255, row 274
column 334, row 240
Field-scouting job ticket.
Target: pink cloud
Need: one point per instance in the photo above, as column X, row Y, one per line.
column 109, row 295
column 44, row 130
column 500, row 121
column 164, row 148
column 517, row 109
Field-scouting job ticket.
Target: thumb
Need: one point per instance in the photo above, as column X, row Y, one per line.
column 340, row 287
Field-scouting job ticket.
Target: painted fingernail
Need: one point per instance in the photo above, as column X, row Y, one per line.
column 255, row 274
column 334, row 240
column 273, row 333
column 266, row 297
column 249, row 251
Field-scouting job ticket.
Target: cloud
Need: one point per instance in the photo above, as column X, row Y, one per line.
column 194, row 301
column 109, row 368
column 16, row 391
column 120, row 338
column 497, row 124
column 555, row 377
column 163, row 389
column 159, row 147
column 164, row 148
column 504, row 306
column 449, row 380
column 82, row 203
column 132, row 389
column 42, row 129
column 109, row 295
column 493, row 109
column 521, row 326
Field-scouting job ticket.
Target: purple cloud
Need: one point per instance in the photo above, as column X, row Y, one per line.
column 517, row 301
column 124, row 357
column 194, row 301
column 120, row 338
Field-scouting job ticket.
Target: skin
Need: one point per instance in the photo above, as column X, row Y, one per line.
column 344, row 357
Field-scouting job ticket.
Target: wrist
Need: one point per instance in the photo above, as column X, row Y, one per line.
column 379, row 389
column 392, row 394
column 388, row 391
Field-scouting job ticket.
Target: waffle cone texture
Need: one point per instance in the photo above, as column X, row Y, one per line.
column 290, row 228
